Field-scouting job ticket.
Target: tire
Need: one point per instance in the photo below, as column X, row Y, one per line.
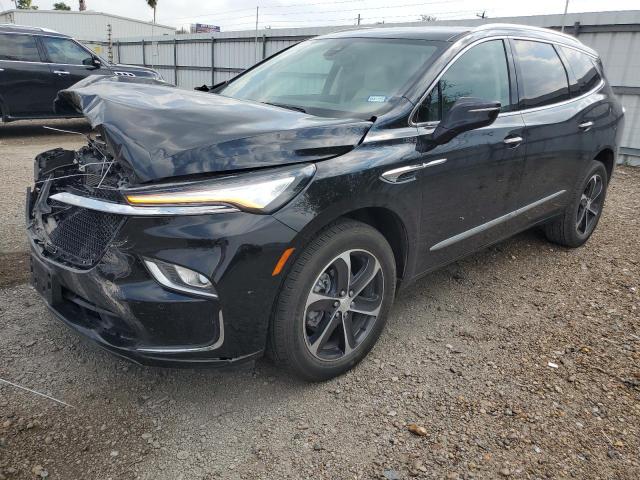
column 580, row 218
column 296, row 339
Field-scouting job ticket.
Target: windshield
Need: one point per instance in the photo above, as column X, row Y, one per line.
column 337, row 77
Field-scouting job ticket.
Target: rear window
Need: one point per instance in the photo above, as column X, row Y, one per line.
column 19, row 48
column 541, row 74
column 584, row 71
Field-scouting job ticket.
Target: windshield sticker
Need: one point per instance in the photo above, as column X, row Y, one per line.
column 376, row 98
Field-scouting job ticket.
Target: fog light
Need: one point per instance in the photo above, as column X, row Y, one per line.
column 177, row 277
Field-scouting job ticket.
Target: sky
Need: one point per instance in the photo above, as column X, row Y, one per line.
column 241, row 14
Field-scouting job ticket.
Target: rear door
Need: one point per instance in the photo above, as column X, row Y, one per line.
column 553, row 135
column 27, row 87
column 470, row 185
column 595, row 116
column 70, row 62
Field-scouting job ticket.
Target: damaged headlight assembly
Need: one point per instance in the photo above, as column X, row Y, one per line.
column 263, row 191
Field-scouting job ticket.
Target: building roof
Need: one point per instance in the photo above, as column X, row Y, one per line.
column 85, row 12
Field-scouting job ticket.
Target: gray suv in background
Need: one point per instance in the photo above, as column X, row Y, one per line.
column 36, row 63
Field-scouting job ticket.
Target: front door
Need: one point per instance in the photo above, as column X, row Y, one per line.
column 69, row 61
column 27, row 87
column 470, row 186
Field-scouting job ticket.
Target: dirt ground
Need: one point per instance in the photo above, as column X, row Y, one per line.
column 521, row 361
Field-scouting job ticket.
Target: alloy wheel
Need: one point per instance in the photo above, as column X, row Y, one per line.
column 590, row 205
column 343, row 305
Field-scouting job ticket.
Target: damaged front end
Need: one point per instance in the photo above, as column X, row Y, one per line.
column 157, row 284
column 156, row 240
column 66, row 233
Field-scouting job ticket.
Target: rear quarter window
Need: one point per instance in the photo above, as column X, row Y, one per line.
column 542, row 77
column 585, row 73
column 20, row 48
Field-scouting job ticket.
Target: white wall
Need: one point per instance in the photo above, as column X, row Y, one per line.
column 84, row 26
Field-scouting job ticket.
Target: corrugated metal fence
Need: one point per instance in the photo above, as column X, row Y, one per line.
column 193, row 60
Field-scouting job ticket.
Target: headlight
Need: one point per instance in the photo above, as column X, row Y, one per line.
column 263, row 192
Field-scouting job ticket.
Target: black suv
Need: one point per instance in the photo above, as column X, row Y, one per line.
column 282, row 212
column 36, row 63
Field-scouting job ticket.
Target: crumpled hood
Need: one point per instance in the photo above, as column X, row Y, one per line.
column 161, row 131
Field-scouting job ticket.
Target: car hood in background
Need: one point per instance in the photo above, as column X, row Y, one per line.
column 162, row 132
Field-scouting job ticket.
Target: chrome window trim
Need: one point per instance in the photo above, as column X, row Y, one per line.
column 217, row 344
column 24, row 61
column 492, row 223
column 487, row 39
column 130, row 210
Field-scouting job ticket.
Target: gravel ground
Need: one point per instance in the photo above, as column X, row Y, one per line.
column 521, row 361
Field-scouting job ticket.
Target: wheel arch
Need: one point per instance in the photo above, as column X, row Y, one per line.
column 607, row 157
column 388, row 222
column 4, row 110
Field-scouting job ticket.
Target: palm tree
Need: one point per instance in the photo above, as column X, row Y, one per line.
column 153, row 4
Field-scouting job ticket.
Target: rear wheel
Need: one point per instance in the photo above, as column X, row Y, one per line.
column 581, row 216
column 334, row 301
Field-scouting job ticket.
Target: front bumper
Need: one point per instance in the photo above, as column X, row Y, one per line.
column 121, row 307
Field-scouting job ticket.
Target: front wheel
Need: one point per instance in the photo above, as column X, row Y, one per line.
column 334, row 301
column 580, row 218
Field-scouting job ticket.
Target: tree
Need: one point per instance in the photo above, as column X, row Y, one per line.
column 153, row 4
column 25, row 5
column 61, row 6
column 427, row 18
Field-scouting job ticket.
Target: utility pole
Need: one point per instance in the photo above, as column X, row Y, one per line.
column 256, row 52
column 358, row 19
column 110, row 47
column 566, row 7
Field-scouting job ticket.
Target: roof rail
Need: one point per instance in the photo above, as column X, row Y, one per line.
column 27, row 27
column 518, row 26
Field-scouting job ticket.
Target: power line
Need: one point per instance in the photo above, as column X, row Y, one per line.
column 274, row 6
column 366, row 19
column 317, row 12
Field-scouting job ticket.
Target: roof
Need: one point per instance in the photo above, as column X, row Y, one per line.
column 12, row 28
column 84, row 12
column 412, row 33
column 452, row 33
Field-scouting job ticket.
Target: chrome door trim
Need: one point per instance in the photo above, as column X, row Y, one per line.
column 124, row 209
column 394, row 175
column 217, row 344
column 492, row 223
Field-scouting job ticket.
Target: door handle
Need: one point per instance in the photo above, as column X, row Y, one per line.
column 61, row 72
column 513, row 141
column 404, row 174
column 585, row 126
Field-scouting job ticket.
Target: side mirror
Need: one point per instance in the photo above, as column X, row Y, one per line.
column 92, row 62
column 466, row 114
